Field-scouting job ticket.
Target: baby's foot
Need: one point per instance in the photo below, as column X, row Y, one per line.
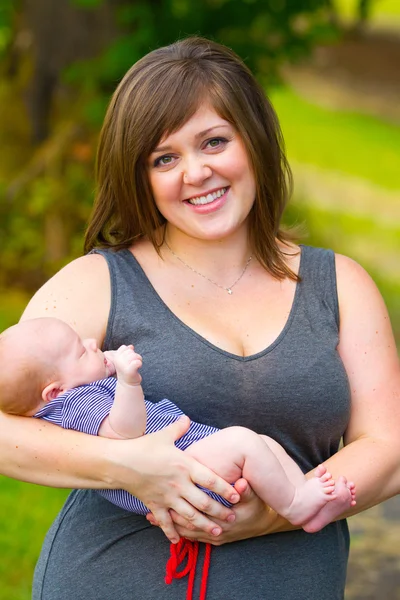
column 311, row 497
column 344, row 498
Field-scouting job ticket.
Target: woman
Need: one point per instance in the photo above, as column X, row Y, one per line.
column 235, row 323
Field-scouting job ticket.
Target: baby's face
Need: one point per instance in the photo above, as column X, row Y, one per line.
column 78, row 361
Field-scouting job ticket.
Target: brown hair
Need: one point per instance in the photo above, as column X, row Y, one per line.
column 154, row 99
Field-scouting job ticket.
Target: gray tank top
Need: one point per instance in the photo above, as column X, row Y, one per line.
column 295, row 390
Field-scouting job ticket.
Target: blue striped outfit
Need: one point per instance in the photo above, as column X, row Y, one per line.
column 85, row 407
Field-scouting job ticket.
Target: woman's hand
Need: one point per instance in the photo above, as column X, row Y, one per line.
column 252, row 519
column 163, row 477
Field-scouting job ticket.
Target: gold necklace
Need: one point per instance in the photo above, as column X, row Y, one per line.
column 227, row 289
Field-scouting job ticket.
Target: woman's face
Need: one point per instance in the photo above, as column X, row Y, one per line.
column 201, row 178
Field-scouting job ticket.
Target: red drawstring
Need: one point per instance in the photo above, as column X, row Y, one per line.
column 204, row 576
column 178, row 552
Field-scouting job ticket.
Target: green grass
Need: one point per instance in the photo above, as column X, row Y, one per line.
column 357, row 146
column 27, row 512
column 354, row 144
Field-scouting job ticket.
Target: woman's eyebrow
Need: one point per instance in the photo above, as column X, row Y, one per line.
column 197, row 136
column 207, row 131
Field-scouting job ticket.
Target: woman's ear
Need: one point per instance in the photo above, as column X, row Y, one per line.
column 51, row 391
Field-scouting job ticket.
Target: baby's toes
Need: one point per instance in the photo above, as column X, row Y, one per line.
column 326, row 477
column 320, row 471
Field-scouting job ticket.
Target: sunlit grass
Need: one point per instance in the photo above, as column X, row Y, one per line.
column 379, row 8
column 26, row 510
column 347, row 142
column 26, row 513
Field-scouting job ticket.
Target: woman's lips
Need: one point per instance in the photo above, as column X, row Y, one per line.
column 210, row 206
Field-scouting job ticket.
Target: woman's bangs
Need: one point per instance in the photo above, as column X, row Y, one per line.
column 180, row 103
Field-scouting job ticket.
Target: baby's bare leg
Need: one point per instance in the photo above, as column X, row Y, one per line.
column 239, row 452
column 337, row 501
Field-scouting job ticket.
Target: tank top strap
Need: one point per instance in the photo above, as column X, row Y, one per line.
column 318, row 280
column 131, row 290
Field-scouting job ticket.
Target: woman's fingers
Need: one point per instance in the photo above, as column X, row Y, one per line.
column 167, row 478
column 195, row 497
column 243, row 488
column 199, row 499
column 194, row 519
column 176, row 430
column 165, row 523
column 206, row 478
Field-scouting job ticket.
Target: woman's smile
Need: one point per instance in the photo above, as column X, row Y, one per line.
column 207, row 197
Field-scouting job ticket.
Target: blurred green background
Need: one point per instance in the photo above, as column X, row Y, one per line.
column 331, row 68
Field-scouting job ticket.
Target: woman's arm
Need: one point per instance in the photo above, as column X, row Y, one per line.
column 150, row 467
column 371, row 455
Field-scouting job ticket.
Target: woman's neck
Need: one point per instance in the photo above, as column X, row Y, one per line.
column 209, row 256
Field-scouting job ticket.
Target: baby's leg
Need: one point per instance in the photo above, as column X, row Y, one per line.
column 337, row 501
column 237, row 452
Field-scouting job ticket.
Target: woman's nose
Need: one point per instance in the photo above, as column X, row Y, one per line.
column 195, row 171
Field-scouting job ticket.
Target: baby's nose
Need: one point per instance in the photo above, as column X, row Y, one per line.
column 92, row 344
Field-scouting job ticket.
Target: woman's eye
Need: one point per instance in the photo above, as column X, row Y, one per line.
column 216, row 142
column 163, row 161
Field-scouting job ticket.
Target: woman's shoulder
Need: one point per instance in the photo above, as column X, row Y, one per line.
column 359, row 296
column 79, row 294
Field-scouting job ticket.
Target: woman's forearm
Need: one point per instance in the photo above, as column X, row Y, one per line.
column 149, row 467
column 374, row 465
column 38, row 452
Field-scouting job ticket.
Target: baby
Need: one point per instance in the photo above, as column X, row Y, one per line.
column 52, row 374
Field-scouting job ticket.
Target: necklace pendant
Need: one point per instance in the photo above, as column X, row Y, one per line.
column 229, row 290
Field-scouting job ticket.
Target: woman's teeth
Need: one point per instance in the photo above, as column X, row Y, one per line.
column 207, row 199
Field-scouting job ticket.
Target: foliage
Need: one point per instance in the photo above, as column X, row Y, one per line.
column 6, row 19
column 44, row 211
column 46, row 191
column 264, row 32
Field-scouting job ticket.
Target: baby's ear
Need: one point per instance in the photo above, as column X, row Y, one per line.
column 51, row 391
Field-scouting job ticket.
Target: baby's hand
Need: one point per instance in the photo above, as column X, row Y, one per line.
column 127, row 364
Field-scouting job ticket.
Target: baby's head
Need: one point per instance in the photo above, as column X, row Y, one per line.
column 42, row 358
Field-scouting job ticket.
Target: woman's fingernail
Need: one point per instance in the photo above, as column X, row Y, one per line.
column 235, row 497
column 216, row 531
column 231, row 518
